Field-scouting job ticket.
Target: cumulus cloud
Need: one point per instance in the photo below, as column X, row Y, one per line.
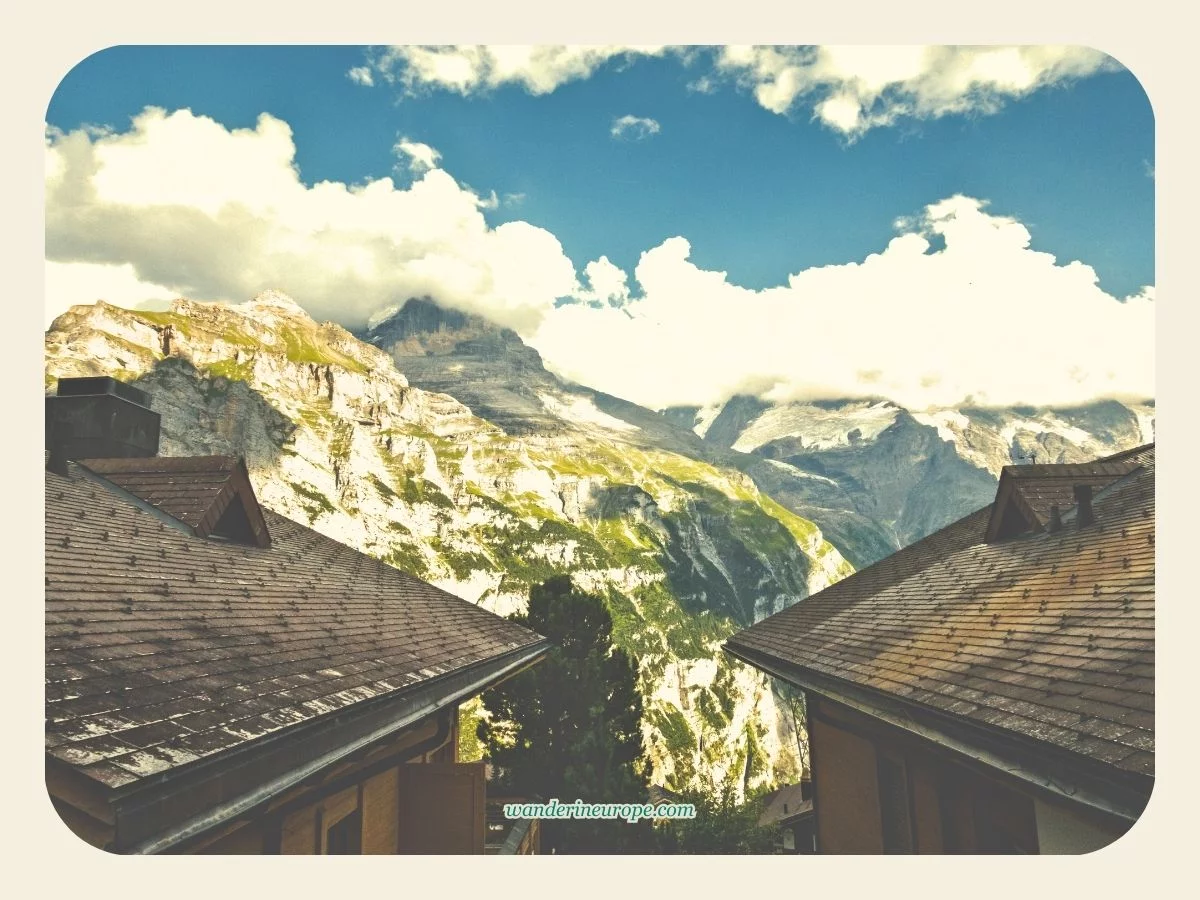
column 179, row 204
column 465, row 69
column 361, row 75
column 985, row 319
column 957, row 306
column 117, row 284
column 420, row 157
column 634, row 127
column 850, row 89
column 607, row 284
column 853, row 89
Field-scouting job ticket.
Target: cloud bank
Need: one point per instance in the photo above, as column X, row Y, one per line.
column 957, row 307
column 986, row 319
column 849, row 89
column 181, row 204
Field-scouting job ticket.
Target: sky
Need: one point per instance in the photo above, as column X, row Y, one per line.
column 935, row 225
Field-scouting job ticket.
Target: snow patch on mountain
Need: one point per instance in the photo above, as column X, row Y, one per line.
column 818, row 427
column 1145, row 419
column 793, row 472
column 582, row 411
column 705, row 416
column 1047, row 424
column 949, row 423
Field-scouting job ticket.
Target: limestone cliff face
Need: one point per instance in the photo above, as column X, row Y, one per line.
column 526, row 479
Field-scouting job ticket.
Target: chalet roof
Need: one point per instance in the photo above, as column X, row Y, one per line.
column 1031, row 491
column 164, row 648
column 783, row 804
column 211, row 494
column 1047, row 635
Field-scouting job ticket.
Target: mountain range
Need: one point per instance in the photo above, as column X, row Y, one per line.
column 441, row 444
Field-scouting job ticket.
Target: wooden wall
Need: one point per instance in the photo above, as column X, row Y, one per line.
column 844, row 776
column 878, row 789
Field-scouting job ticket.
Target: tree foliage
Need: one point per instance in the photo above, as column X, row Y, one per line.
column 570, row 727
column 721, row 825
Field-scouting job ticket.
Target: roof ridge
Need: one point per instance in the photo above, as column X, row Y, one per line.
column 918, row 543
column 1119, row 457
column 374, row 559
column 1107, row 490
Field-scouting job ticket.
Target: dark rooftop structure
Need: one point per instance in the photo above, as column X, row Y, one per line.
column 100, row 417
column 1026, row 627
column 789, row 810
column 210, row 494
column 204, row 654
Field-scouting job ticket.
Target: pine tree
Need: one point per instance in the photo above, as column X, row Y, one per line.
column 569, row 728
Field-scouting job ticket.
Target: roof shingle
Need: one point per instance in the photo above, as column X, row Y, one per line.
column 163, row 647
column 1049, row 635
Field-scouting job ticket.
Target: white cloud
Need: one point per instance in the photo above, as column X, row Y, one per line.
column 986, row 319
column 850, row 89
column 117, row 284
column 607, row 283
column 361, row 75
column 853, row 89
column 181, row 205
column 465, row 69
column 421, row 157
column 634, row 127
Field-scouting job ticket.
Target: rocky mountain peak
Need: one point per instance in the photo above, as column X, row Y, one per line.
column 276, row 300
column 421, row 327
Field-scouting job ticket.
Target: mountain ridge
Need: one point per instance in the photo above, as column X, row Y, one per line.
column 443, row 445
column 835, row 462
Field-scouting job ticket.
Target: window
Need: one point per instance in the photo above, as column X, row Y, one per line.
column 344, row 837
column 895, row 819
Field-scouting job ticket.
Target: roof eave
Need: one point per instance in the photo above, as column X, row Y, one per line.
column 323, row 742
column 1051, row 771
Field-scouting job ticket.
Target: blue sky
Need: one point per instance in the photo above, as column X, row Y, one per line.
column 754, row 191
column 760, row 188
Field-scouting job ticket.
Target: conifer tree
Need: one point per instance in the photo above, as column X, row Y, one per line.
column 569, row 728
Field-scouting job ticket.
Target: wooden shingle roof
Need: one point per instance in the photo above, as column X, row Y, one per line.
column 1046, row 635
column 164, row 647
column 197, row 490
column 1027, row 494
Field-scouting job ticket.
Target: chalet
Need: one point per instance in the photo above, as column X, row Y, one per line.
column 788, row 811
column 220, row 679
column 991, row 687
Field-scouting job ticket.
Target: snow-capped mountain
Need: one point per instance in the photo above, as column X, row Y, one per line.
column 907, row 473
